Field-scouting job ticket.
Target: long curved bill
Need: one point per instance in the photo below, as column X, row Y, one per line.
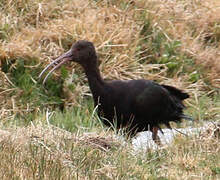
column 56, row 63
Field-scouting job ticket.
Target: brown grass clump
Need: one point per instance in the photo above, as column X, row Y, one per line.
column 115, row 31
column 197, row 25
column 53, row 135
column 46, row 151
column 40, row 31
column 173, row 42
column 47, row 147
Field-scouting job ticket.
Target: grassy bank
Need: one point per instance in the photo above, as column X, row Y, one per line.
column 173, row 42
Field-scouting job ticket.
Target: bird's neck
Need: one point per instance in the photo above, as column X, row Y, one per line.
column 96, row 83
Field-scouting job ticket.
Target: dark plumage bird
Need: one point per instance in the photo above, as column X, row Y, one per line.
column 134, row 105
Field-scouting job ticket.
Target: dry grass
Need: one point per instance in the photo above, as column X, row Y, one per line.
column 134, row 39
column 42, row 30
column 195, row 24
column 45, row 151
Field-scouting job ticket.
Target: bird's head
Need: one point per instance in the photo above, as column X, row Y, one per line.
column 82, row 52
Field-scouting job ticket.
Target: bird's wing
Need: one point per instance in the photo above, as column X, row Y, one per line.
column 151, row 99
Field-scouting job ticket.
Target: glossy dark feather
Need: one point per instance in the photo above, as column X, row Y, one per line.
column 139, row 105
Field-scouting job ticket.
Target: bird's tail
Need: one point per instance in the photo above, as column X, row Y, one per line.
column 183, row 116
column 176, row 92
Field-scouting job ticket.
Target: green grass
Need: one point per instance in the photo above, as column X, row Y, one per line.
column 52, row 131
column 83, row 118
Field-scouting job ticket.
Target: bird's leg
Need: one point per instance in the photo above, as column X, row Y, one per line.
column 155, row 136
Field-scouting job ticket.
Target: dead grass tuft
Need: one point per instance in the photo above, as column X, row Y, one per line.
column 131, row 38
column 28, row 150
column 41, row 31
column 53, row 136
column 196, row 25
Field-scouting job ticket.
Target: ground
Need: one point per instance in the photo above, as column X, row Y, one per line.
column 53, row 132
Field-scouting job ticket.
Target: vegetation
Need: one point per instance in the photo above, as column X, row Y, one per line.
column 53, row 132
